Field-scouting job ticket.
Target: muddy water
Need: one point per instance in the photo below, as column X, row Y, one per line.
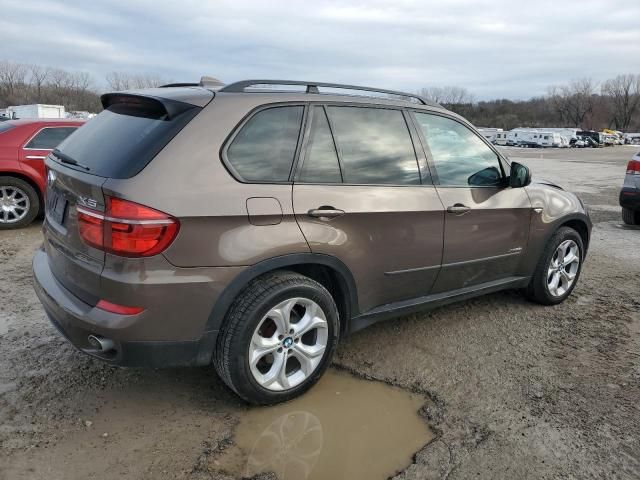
column 344, row 428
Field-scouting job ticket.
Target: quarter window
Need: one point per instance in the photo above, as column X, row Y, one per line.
column 461, row 158
column 321, row 163
column 375, row 146
column 50, row 137
column 263, row 150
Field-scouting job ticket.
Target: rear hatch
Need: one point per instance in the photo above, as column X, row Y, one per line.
column 118, row 143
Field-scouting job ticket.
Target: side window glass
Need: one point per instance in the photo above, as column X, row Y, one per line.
column 263, row 150
column 460, row 157
column 321, row 162
column 375, row 146
column 49, row 138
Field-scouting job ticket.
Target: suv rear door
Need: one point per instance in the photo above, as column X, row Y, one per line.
column 486, row 222
column 118, row 143
column 359, row 196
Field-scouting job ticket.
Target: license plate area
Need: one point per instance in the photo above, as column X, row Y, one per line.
column 57, row 206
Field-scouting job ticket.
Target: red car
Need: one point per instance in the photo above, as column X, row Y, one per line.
column 24, row 144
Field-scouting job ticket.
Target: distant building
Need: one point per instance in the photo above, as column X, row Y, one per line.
column 37, row 110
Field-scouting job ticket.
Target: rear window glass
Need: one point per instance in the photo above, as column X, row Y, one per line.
column 124, row 138
column 263, row 150
column 50, row 137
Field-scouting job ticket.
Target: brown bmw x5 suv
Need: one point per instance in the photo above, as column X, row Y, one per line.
column 254, row 225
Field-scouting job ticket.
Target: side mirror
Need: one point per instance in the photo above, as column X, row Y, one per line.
column 520, row 175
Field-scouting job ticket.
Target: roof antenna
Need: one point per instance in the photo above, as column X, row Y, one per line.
column 206, row 81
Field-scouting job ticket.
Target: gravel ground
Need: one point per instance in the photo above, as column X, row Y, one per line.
column 511, row 389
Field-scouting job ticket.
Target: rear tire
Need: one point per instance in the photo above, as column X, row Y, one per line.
column 263, row 353
column 552, row 282
column 19, row 203
column 630, row 217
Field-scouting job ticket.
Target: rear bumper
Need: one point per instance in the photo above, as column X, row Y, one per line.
column 76, row 320
column 630, row 198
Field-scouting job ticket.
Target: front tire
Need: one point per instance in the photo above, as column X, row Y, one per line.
column 19, row 203
column 630, row 217
column 558, row 268
column 278, row 338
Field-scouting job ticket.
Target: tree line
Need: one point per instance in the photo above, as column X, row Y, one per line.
column 614, row 103
column 24, row 84
column 583, row 103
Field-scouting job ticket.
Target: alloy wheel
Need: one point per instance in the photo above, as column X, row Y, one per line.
column 14, row 204
column 288, row 344
column 563, row 268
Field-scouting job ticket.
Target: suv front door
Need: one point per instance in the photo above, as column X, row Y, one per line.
column 359, row 196
column 486, row 222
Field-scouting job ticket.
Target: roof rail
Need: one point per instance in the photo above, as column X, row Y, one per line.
column 312, row 87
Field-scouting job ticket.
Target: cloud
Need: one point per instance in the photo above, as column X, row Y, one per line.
column 495, row 49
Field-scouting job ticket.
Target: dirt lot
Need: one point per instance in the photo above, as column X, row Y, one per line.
column 510, row 389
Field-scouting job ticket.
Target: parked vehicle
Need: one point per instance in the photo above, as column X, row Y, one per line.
column 254, row 228
column 630, row 193
column 578, row 142
column 24, row 144
column 597, row 137
column 632, row 138
column 35, row 111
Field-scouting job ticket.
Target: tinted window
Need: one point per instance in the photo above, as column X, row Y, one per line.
column 122, row 139
column 375, row 146
column 264, row 149
column 459, row 155
column 50, row 137
column 321, row 163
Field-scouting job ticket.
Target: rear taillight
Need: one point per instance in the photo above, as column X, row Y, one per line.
column 127, row 229
column 633, row 168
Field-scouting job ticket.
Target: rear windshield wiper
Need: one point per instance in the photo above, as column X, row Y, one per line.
column 64, row 158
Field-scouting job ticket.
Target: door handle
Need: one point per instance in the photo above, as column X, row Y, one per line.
column 35, row 157
column 325, row 212
column 458, row 209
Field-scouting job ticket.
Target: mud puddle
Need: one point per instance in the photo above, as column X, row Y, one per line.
column 344, row 428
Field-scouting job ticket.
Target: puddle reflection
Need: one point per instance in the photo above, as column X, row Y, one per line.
column 344, row 428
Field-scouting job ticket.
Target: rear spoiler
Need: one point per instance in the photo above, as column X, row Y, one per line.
column 164, row 106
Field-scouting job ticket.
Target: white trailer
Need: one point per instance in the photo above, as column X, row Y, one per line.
column 37, row 110
column 501, row 138
column 490, row 134
column 551, row 139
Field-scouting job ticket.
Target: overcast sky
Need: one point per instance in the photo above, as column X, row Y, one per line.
column 504, row 48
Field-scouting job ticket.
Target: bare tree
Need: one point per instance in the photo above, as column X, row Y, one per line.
column 624, row 94
column 447, row 95
column 128, row 81
column 38, row 78
column 12, row 77
column 575, row 101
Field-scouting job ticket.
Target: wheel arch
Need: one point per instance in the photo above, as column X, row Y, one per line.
column 327, row 270
column 581, row 226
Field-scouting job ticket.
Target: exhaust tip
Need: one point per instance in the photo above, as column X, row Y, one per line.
column 100, row 343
